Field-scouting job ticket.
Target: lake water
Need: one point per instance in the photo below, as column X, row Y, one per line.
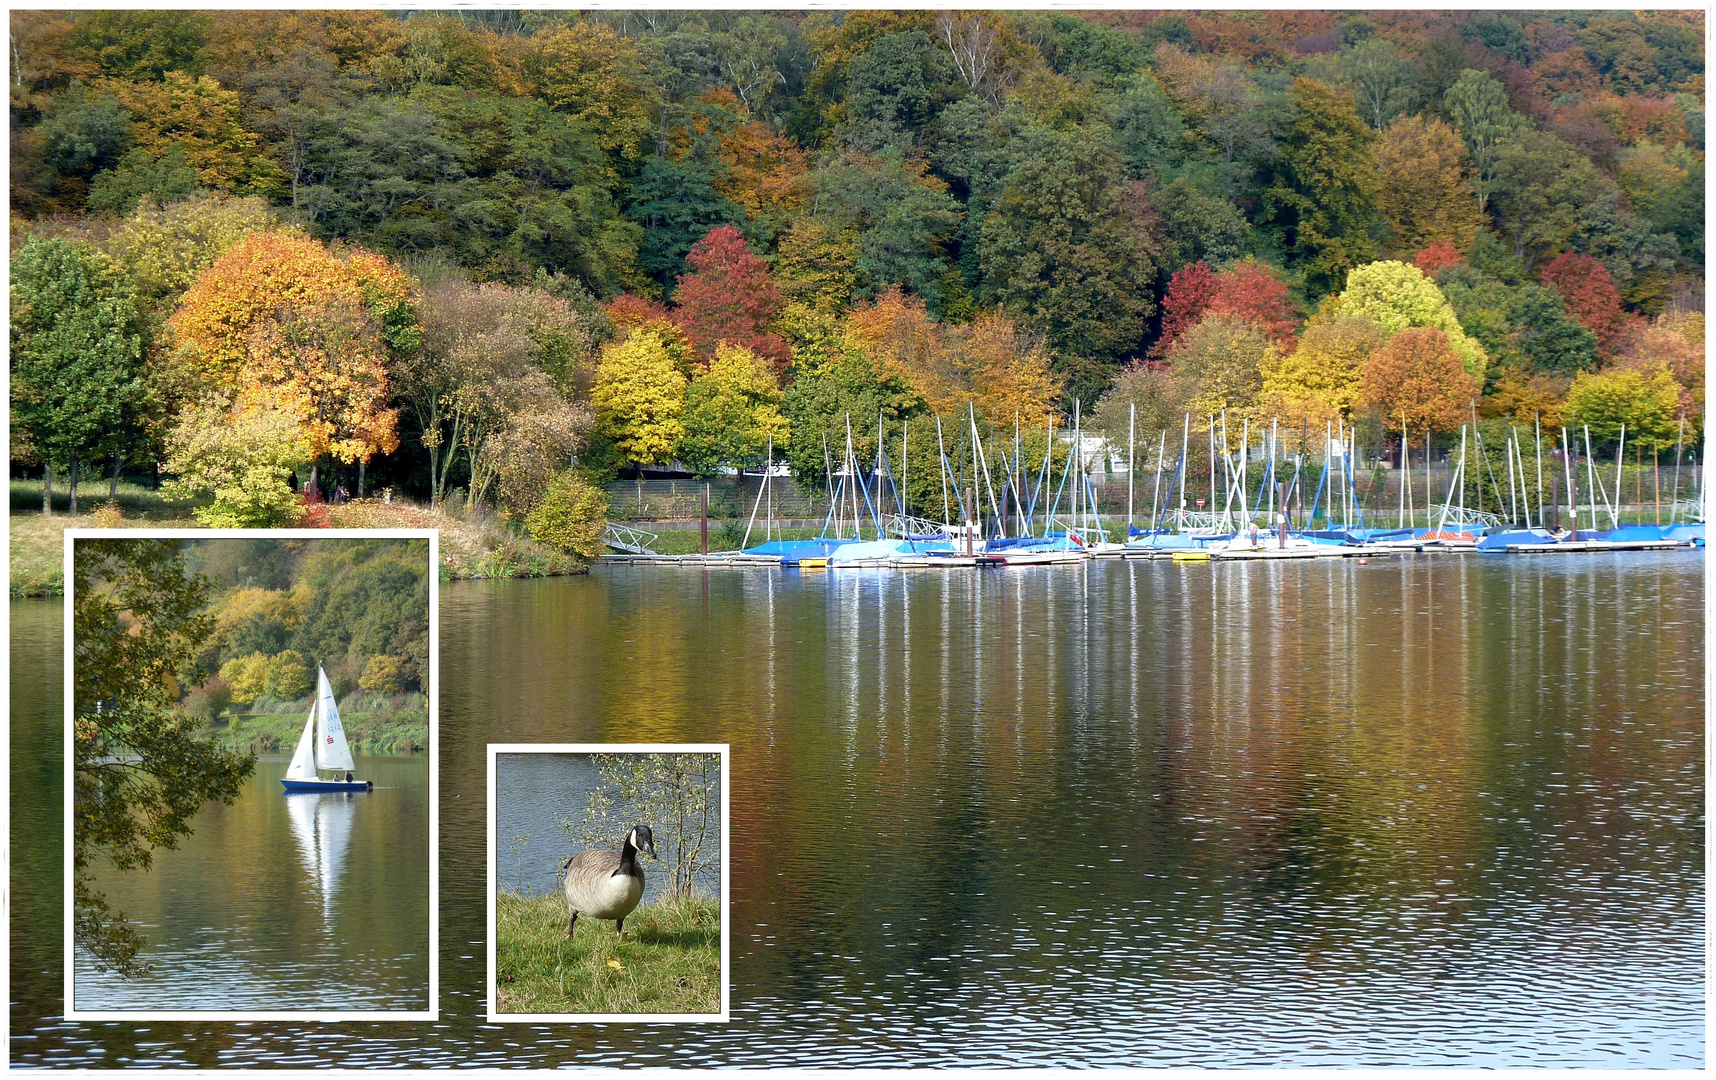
column 536, row 793
column 309, row 902
column 1428, row 811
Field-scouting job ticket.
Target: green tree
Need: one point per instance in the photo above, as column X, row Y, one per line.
column 138, row 175
column 1550, row 339
column 848, row 385
column 732, row 410
column 1323, row 201
column 1646, row 401
column 77, row 351
column 894, row 89
column 1480, row 110
column 139, row 774
column 1542, row 187
column 1198, row 227
column 1068, row 249
column 902, row 215
column 677, row 795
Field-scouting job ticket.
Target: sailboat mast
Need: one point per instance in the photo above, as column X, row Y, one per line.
column 1131, row 462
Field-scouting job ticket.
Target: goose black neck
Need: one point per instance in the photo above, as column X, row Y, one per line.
column 628, row 855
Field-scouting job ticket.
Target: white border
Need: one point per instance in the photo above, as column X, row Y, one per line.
column 721, row 1017
column 72, row 1013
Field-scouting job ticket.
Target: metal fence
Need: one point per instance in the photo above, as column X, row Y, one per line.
column 729, row 497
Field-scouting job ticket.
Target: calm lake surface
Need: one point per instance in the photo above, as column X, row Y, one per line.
column 311, row 902
column 1428, row 811
column 536, row 793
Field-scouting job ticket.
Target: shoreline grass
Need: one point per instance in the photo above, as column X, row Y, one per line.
column 367, row 733
column 669, row 960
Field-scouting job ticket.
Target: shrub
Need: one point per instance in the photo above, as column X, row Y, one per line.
column 107, row 516
column 571, row 516
column 208, row 700
column 288, row 676
column 247, row 676
column 381, row 676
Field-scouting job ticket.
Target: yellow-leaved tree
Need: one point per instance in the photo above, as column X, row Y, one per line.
column 1319, row 382
column 640, row 395
column 1397, row 295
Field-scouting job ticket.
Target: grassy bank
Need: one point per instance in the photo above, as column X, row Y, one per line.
column 367, row 733
column 669, row 960
column 474, row 543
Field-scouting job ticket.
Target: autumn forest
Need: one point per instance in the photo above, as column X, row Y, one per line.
column 258, row 256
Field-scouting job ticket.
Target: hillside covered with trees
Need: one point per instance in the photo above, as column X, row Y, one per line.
column 259, row 252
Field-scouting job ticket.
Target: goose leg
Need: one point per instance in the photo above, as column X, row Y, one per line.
column 619, row 925
column 570, row 923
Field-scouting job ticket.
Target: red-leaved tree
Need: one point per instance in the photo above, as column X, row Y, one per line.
column 1247, row 290
column 1188, row 297
column 728, row 297
column 1437, row 256
column 1590, row 295
column 1254, row 292
column 630, row 311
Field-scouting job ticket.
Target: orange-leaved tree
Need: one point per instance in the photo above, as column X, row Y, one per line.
column 282, row 317
column 1417, row 378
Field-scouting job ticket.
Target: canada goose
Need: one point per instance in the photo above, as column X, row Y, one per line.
column 606, row 884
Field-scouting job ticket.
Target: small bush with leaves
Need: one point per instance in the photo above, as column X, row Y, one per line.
column 571, row 516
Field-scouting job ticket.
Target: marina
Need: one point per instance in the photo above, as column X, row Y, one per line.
column 996, row 514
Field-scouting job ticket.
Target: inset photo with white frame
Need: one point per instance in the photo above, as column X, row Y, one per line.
column 608, row 883
column 250, row 774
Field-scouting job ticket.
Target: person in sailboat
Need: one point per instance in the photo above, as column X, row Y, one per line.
column 348, row 776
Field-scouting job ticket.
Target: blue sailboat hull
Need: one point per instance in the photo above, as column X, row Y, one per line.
column 327, row 785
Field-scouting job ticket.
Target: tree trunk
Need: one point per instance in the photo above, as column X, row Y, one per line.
column 73, row 481
column 361, row 464
column 113, row 481
column 47, row 490
column 310, row 485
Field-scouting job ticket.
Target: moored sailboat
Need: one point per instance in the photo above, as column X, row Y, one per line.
column 322, row 747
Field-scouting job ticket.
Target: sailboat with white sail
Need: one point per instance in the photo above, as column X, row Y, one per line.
column 323, row 747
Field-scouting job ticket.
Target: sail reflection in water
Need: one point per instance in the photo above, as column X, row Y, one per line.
column 322, row 827
column 312, row 902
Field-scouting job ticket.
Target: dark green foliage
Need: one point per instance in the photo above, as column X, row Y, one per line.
column 139, row 775
column 165, row 180
column 369, row 597
column 1082, row 49
column 904, row 220
column 676, row 204
column 1322, row 205
column 1068, row 248
column 84, row 132
column 894, row 89
column 501, row 185
column 1147, row 132
column 1551, row 340
column 1196, row 226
